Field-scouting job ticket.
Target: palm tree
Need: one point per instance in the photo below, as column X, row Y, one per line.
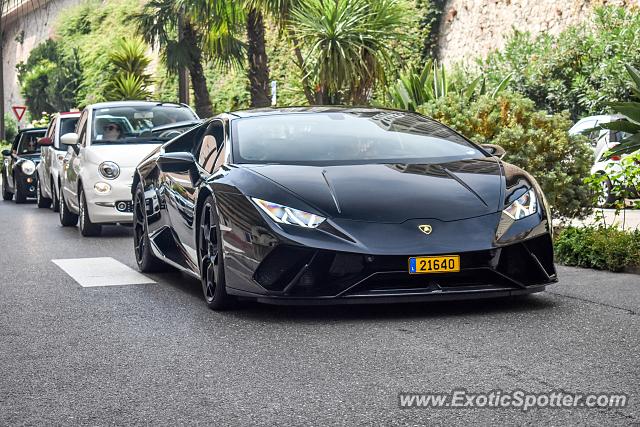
column 349, row 42
column 258, row 69
column 207, row 33
column 280, row 11
column 129, row 79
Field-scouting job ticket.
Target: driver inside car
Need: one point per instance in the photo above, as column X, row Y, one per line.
column 111, row 131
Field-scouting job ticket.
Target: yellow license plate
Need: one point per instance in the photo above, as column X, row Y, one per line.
column 434, row 264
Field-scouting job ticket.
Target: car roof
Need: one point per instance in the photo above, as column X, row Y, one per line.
column 602, row 118
column 115, row 104
column 315, row 109
column 32, row 130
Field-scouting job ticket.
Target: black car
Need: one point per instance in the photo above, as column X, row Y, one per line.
column 337, row 205
column 19, row 165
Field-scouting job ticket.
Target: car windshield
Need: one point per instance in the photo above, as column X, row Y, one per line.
column 134, row 124
column 346, row 138
column 29, row 142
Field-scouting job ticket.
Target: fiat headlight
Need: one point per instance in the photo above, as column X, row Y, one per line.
column 109, row 170
column 286, row 215
column 526, row 205
column 28, row 167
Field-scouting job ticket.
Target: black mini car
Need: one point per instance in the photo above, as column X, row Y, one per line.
column 333, row 206
column 19, row 165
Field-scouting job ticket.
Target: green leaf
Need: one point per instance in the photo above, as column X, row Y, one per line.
column 619, row 125
column 629, row 109
column 503, row 84
column 634, row 73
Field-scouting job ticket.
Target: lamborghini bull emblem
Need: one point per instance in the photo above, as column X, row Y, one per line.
column 425, row 228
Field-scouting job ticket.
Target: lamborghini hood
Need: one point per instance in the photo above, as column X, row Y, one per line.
column 394, row 193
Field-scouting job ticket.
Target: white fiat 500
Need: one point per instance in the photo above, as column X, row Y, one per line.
column 111, row 139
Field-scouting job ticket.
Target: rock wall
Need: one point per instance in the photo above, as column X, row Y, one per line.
column 472, row 28
column 30, row 26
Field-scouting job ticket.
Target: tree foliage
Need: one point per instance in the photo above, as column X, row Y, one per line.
column 347, row 45
column 580, row 70
column 50, row 78
column 535, row 141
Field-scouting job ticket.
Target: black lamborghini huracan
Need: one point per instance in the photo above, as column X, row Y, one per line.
column 340, row 205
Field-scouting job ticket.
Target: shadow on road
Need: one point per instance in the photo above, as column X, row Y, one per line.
column 275, row 313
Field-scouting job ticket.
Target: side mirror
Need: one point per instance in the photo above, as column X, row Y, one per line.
column 6, row 153
column 180, row 162
column 494, row 150
column 176, row 162
column 69, row 138
column 45, row 142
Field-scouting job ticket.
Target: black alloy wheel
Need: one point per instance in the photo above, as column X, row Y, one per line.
column 211, row 259
column 146, row 260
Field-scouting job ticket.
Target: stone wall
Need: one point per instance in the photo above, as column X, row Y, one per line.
column 472, row 28
column 23, row 33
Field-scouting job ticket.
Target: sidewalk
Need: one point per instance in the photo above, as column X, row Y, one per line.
column 630, row 218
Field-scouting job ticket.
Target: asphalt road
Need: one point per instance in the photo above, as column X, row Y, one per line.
column 154, row 354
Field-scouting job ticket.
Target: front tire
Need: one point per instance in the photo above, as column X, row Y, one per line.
column 212, row 260
column 55, row 200
column 146, row 260
column 67, row 218
column 6, row 194
column 20, row 197
column 42, row 201
column 87, row 228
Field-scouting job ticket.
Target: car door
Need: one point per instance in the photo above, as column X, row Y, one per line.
column 182, row 194
column 48, row 154
column 72, row 164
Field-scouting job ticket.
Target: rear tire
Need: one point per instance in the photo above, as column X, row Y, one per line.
column 146, row 260
column 67, row 218
column 87, row 228
column 42, row 201
column 6, row 194
column 211, row 260
column 55, row 201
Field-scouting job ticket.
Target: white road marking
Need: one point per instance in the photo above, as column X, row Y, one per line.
column 90, row 272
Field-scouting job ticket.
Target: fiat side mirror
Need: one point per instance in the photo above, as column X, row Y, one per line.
column 70, row 138
column 6, row 153
column 494, row 150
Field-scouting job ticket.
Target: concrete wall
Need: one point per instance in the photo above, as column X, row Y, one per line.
column 472, row 28
column 36, row 19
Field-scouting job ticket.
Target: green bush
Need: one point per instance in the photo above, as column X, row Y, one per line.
column 10, row 127
column 598, row 247
column 534, row 141
column 572, row 71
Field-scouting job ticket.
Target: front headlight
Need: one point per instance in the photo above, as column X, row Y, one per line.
column 286, row 215
column 526, row 205
column 28, row 167
column 109, row 170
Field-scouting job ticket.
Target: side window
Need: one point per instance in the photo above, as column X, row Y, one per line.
column 81, row 129
column 211, row 145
